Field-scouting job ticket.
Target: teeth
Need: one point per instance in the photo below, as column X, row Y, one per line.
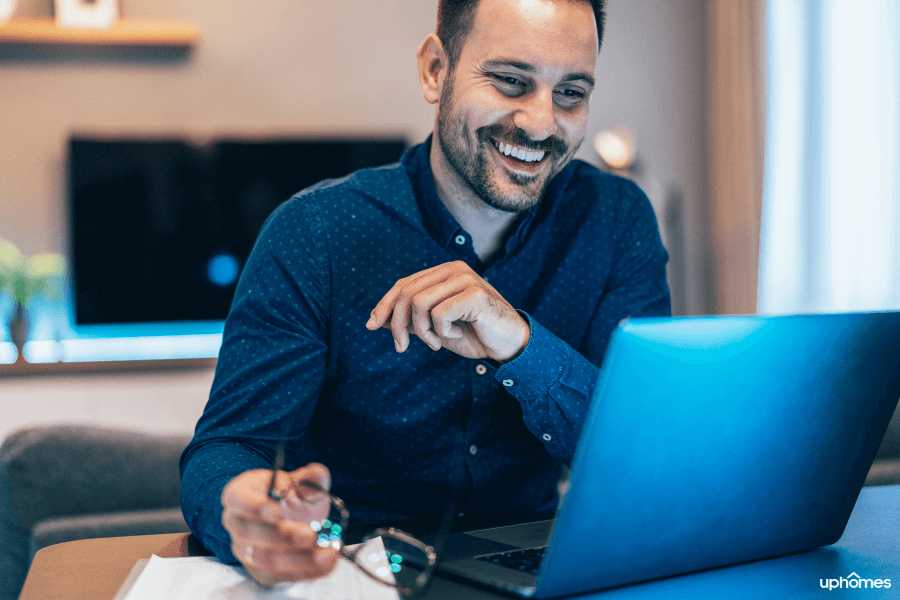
column 520, row 153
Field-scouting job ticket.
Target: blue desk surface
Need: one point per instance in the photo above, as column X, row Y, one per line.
column 870, row 548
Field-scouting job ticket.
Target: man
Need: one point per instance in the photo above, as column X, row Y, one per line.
column 510, row 264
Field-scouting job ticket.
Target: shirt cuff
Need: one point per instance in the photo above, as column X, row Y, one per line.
column 539, row 367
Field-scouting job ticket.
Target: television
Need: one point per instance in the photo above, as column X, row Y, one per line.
column 159, row 229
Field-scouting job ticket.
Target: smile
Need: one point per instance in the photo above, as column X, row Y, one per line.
column 528, row 156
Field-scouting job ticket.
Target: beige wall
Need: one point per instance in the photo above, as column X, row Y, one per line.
column 304, row 67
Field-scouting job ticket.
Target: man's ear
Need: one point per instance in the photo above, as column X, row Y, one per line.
column 433, row 66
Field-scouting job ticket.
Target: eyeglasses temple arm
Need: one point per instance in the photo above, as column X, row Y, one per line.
column 276, row 466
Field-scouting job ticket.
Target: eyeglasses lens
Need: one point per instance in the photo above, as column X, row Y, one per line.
column 394, row 561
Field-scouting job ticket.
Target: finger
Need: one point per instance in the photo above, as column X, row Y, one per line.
column 463, row 306
column 285, row 536
column 399, row 323
column 385, row 307
column 315, row 472
column 382, row 311
column 455, row 331
column 425, row 301
column 421, row 324
column 427, row 291
column 272, row 567
column 247, row 495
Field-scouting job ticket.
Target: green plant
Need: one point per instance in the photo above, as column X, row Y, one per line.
column 25, row 277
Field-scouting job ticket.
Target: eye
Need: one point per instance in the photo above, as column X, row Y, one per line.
column 569, row 97
column 509, row 85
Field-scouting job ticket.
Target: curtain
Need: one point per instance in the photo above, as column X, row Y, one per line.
column 736, row 132
column 830, row 225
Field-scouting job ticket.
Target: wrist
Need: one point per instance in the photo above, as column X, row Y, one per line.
column 518, row 346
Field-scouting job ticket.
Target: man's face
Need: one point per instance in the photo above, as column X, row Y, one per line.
column 514, row 109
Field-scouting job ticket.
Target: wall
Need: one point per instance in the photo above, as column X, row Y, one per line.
column 304, row 67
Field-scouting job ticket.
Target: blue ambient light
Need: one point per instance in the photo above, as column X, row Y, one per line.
column 222, row 269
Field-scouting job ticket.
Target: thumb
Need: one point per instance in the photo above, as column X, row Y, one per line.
column 316, row 473
column 303, row 503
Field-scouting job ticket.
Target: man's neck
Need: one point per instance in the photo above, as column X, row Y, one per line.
column 488, row 226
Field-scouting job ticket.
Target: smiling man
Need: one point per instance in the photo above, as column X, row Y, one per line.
column 467, row 292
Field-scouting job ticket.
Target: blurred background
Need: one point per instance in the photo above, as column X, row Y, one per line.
column 684, row 93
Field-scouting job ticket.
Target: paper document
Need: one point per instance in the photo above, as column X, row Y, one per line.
column 205, row 578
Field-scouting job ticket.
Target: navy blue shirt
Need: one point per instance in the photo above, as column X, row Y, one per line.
column 296, row 348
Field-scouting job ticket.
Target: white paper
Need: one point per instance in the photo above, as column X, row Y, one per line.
column 203, row 578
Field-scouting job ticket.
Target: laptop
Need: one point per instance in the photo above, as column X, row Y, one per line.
column 736, row 438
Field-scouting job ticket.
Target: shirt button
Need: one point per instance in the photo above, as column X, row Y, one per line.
column 473, row 449
column 460, row 239
column 481, row 369
column 547, row 437
column 508, row 382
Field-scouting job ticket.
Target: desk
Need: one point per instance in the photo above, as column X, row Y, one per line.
column 870, row 547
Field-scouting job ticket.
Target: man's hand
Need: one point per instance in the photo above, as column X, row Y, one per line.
column 271, row 547
column 450, row 306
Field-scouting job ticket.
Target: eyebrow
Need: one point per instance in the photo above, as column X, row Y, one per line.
column 529, row 68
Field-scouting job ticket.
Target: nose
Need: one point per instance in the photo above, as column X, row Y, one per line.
column 535, row 115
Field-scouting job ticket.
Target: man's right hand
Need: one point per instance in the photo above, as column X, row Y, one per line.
column 274, row 549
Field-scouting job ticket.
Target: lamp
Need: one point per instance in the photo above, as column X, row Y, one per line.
column 616, row 149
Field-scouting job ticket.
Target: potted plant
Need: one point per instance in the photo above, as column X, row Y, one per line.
column 23, row 278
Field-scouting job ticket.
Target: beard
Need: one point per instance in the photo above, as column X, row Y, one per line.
column 467, row 152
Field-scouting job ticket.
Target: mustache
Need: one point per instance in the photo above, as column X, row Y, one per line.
column 516, row 137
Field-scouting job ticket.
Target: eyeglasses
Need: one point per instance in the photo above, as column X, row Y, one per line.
column 387, row 555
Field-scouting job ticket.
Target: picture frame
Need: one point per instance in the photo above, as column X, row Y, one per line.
column 88, row 14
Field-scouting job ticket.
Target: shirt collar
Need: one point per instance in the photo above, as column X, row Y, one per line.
column 438, row 221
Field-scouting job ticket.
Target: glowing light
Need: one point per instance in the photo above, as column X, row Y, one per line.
column 616, row 147
column 222, row 270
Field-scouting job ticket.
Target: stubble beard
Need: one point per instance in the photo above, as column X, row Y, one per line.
column 468, row 157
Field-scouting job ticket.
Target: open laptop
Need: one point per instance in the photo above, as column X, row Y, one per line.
column 709, row 442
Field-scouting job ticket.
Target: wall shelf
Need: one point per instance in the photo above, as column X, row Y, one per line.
column 126, row 32
column 24, row 369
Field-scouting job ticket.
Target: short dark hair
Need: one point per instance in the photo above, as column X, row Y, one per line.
column 456, row 17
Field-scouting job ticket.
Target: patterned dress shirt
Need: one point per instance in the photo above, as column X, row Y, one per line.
column 297, row 356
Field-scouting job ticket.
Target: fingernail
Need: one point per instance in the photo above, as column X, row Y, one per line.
column 397, row 345
column 370, row 324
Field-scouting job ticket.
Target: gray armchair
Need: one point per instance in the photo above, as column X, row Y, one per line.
column 65, row 483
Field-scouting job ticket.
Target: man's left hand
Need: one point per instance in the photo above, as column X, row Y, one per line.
column 450, row 306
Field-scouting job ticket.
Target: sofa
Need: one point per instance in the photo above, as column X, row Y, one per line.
column 68, row 482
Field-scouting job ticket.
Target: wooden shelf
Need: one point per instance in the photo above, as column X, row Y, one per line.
column 24, row 369
column 125, row 32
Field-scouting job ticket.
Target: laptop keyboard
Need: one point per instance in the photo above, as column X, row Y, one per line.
column 527, row 560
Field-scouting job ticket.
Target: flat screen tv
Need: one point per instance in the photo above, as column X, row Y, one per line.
column 160, row 228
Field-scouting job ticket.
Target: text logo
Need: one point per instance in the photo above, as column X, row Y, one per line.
column 854, row 581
